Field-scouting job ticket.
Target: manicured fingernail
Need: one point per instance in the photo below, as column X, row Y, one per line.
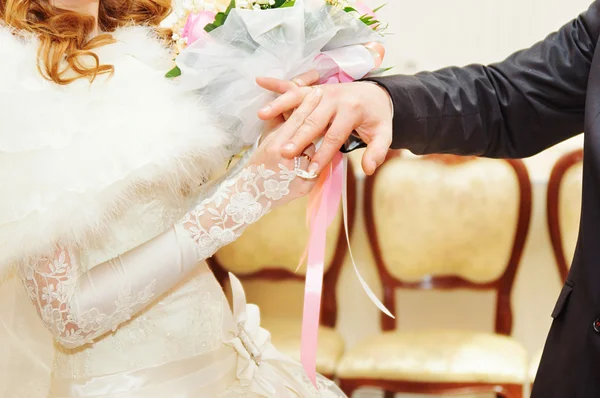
column 289, row 147
column 313, row 168
column 299, row 82
column 266, row 109
column 373, row 165
column 319, row 92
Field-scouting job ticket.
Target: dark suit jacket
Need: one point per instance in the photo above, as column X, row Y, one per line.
column 513, row 109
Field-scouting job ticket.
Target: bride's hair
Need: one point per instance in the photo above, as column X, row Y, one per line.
column 65, row 35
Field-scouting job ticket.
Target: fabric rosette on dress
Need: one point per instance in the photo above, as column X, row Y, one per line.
column 257, row 358
column 260, row 368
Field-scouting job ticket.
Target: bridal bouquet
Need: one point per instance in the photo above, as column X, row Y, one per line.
column 224, row 45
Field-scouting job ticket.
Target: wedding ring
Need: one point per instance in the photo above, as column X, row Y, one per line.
column 303, row 173
column 306, row 156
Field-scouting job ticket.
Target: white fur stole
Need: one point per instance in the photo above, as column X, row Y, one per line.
column 73, row 158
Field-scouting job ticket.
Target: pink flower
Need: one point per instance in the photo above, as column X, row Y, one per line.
column 364, row 9
column 194, row 26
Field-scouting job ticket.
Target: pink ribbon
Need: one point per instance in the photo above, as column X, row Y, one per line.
column 344, row 65
column 330, row 195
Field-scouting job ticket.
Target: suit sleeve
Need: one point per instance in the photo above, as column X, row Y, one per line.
column 512, row 109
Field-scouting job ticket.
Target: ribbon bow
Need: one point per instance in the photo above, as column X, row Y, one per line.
column 257, row 357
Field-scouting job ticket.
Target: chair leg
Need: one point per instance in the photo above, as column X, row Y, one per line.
column 348, row 387
column 511, row 391
column 389, row 394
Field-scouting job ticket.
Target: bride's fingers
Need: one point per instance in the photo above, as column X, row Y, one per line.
column 270, row 127
column 305, row 158
column 307, row 154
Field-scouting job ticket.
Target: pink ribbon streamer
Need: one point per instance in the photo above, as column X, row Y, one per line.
column 325, row 213
column 324, row 202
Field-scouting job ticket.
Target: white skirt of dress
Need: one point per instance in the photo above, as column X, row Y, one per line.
column 247, row 365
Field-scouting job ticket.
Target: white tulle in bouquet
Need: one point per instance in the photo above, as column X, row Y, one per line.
column 224, row 46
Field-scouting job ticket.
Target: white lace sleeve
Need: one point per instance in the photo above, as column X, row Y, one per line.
column 78, row 306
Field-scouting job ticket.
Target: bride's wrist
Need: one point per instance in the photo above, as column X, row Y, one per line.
column 269, row 187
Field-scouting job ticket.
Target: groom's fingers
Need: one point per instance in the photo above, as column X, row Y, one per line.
column 285, row 102
column 282, row 86
column 376, row 151
column 307, row 79
column 297, row 119
column 276, row 85
column 292, row 93
column 312, row 128
column 335, row 137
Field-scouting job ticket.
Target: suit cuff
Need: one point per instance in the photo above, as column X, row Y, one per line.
column 386, row 90
column 406, row 124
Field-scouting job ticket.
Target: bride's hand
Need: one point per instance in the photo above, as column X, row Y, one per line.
column 268, row 153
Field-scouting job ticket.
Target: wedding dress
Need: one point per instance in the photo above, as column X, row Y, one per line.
column 106, row 215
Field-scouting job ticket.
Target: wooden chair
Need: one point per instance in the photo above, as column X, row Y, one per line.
column 444, row 222
column 563, row 206
column 265, row 258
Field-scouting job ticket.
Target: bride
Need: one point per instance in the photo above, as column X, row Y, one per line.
column 106, row 213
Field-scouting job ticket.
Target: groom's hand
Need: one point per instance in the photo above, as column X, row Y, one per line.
column 361, row 107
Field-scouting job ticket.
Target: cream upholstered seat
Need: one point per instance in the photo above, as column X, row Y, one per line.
column 286, row 337
column 444, row 222
column 270, row 250
column 276, row 242
column 437, row 356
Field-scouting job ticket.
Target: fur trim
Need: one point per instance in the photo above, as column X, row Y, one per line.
column 73, row 158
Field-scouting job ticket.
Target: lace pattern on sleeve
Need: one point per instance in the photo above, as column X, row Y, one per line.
column 58, row 289
column 78, row 307
column 221, row 219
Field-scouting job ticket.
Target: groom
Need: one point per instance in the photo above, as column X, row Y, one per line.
column 513, row 109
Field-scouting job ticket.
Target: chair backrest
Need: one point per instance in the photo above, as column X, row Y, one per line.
column 563, row 207
column 270, row 249
column 446, row 222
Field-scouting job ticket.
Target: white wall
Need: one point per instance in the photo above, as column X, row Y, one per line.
column 429, row 34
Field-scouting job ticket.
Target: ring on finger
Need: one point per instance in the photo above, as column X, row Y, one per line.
column 303, row 173
column 306, row 156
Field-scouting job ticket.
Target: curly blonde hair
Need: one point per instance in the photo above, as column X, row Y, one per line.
column 65, row 49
